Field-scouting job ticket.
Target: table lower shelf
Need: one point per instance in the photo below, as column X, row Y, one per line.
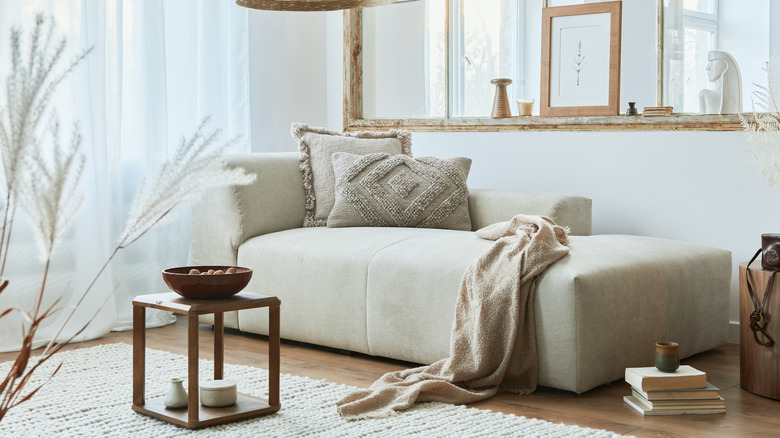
column 246, row 406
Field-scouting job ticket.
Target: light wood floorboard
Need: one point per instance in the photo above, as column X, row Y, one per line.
column 748, row 415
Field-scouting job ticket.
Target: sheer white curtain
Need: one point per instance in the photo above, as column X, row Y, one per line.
column 156, row 70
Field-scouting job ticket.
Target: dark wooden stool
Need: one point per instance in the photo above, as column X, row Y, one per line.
column 759, row 365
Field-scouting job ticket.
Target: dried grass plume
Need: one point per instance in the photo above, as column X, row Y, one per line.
column 764, row 129
column 194, row 168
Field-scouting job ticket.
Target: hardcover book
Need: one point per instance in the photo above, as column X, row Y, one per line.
column 709, row 393
column 651, row 379
column 644, row 409
column 680, row 403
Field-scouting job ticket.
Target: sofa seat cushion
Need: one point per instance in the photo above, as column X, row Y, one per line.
column 320, row 275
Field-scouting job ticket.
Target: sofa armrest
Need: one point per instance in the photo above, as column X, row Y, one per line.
column 490, row 206
column 228, row 216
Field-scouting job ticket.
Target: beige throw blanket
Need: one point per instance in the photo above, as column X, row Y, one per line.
column 493, row 342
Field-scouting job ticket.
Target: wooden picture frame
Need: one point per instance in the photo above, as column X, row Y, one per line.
column 581, row 60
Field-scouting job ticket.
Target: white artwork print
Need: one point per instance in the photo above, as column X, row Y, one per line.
column 579, row 60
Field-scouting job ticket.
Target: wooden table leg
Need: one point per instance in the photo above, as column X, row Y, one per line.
column 273, row 355
column 192, row 368
column 139, row 354
column 219, row 345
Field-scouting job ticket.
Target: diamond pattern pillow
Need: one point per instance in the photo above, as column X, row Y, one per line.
column 382, row 190
column 316, row 146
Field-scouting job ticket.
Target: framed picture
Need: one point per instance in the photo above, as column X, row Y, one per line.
column 581, row 60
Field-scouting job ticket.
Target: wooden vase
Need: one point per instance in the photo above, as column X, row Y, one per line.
column 501, row 101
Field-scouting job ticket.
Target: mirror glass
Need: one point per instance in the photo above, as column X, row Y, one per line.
column 434, row 59
column 693, row 28
column 411, row 51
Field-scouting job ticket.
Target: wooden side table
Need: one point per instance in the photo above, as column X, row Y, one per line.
column 196, row 416
column 759, row 365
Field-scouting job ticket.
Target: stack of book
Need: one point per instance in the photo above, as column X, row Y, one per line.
column 657, row 111
column 685, row 391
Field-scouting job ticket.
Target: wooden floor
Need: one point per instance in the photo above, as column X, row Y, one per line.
column 748, row 415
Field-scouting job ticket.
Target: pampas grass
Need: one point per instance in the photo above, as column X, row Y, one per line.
column 29, row 89
column 51, row 195
column 43, row 180
column 764, row 130
column 42, row 175
column 194, row 168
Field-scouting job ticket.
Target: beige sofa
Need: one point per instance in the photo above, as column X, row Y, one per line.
column 391, row 291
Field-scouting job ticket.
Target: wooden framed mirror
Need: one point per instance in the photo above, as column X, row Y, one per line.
column 376, row 53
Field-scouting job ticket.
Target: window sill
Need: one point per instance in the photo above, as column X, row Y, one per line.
column 680, row 122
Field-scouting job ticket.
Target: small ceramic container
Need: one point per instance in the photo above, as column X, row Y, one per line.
column 177, row 396
column 525, row 106
column 666, row 356
column 218, row 393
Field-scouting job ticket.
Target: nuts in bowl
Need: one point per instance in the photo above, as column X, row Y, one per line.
column 207, row 282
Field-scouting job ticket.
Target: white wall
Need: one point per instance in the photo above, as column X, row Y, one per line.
column 699, row 187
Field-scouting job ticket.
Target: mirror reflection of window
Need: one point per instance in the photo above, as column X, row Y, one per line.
column 690, row 32
column 485, row 41
column 403, row 61
column 694, row 27
column 434, row 59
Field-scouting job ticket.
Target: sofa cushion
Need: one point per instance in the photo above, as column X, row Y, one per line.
column 316, row 145
column 382, row 190
column 320, row 275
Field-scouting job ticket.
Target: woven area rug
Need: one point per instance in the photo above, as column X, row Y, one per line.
column 91, row 397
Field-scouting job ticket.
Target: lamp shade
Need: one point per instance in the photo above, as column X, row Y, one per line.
column 313, row 5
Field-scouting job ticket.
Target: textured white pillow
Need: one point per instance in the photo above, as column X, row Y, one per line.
column 382, row 190
column 316, row 146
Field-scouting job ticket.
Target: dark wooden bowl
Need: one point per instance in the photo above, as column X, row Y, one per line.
column 206, row 287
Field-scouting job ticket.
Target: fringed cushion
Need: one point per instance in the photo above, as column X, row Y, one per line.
column 316, row 145
column 381, row 190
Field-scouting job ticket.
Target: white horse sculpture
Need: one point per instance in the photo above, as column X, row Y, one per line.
column 726, row 98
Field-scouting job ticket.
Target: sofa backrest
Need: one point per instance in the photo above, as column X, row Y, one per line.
column 488, row 206
column 228, row 216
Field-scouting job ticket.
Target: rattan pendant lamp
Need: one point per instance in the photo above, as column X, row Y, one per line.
column 313, row 5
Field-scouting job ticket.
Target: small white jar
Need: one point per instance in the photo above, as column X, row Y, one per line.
column 218, row 393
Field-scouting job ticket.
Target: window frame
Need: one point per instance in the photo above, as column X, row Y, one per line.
column 353, row 119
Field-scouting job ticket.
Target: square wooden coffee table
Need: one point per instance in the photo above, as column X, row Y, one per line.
column 196, row 416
